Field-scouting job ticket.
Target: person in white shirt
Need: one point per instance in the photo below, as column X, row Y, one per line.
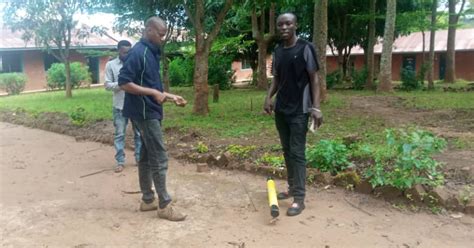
column 112, row 69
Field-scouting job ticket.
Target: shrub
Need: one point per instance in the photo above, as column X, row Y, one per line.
column 406, row 160
column 202, row 148
column 241, row 152
column 78, row 116
column 56, row 75
column 333, row 78
column 13, row 83
column 409, row 80
column 220, row 71
column 181, row 71
column 328, row 156
column 359, row 78
column 272, row 160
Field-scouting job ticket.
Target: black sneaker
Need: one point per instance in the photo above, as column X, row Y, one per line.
column 283, row 195
column 295, row 209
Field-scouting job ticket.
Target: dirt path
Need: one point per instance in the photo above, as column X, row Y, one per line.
column 45, row 203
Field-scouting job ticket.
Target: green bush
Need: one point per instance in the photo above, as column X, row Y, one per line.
column 406, row 160
column 359, row 78
column 12, row 83
column 56, row 75
column 333, row 78
column 328, row 156
column 409, row 80
column 240, row 151
column 181, row 71
column 272, row 160
column 220, row 71
column 78, row 117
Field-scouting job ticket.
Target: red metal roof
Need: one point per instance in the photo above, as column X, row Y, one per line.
column 413, row 43
column 13, row 41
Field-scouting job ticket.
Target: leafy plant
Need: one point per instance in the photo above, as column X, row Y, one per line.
column 409, row 80
column 181, row 71
column 56, row 75
column 201, row 147
column 333, row 78
column 78, row 116
column 241, row 152
column 272, row 160
column 328, row 156
column 406, row 160
column 13, row 83
column 359, row 78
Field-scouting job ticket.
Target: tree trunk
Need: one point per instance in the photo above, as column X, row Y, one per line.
column 432, row 45
column 262, row 82
column 166, row 73
column 200, row 76
column 450, row 76
column 320, row 37
column 385, row 75
column 369, row 85
column 67, row 65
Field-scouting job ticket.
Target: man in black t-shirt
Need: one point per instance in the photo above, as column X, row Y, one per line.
column 296, row 84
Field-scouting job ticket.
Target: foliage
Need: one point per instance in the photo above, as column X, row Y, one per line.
column 12, row 83
column 78, row 116
column 181, row 71
column 406, row 160
column 56, row 75
column 201, row 147
column 220, row 71
column 328, row 156
column 333, row 79
column 359, row 78
column 409, row 80
column 240, row 151
column 276, row 161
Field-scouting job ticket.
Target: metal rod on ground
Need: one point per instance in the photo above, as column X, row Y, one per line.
column 93, row 173
column 248, row 195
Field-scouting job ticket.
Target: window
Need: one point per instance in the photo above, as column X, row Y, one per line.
column 246, row 64
column 48, row 60
column 11, row 62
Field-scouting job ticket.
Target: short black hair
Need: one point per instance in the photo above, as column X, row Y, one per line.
column 289, row 13
column 124, row 43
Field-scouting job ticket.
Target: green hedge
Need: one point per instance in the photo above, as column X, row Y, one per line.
column 13, row 83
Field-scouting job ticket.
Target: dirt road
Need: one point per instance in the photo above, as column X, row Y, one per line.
column 45, row 203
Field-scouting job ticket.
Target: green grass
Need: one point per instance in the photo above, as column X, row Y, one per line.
column 239, row 112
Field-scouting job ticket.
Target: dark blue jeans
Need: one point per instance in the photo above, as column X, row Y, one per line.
column 292, row 130
column 153, row 164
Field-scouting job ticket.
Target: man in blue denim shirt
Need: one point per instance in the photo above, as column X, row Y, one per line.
column 112, row 69
column 140, row 79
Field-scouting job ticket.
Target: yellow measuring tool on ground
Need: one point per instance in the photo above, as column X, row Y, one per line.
column 272, row 198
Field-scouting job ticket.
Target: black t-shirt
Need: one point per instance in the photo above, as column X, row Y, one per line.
column 291, row 67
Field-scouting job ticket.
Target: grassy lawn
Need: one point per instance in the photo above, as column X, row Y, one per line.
column 239, row 112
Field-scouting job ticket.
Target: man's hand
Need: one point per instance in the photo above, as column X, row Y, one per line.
column 159, row 97
column 317, row 116
column 179, row 101
column 268, row 106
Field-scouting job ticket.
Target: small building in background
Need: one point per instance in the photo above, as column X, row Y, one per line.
column 407, row 52
column 16, row 55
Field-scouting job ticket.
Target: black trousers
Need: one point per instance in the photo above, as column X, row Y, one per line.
column 292, row 130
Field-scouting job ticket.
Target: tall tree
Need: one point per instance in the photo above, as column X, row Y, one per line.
column 370, row 46
column 130, row 12
column 51, row 24
column 385, row 76
column 450, row 76
column 204, row 38
column 431, row 56
column 262, row 38
column 320, row 41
